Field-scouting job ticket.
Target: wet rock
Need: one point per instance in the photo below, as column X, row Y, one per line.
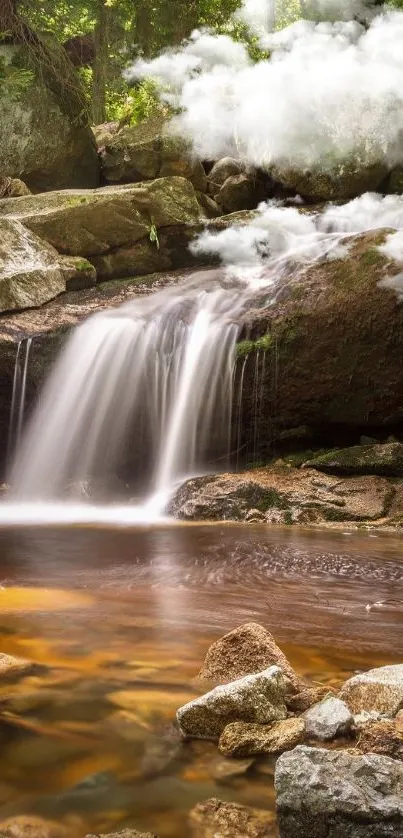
column 379, row 689
column 161, row 751
column 240, row 739
column 381, row 738
column 284, row 495
column 385, row 460
column 327, row 794
column 222, row 170
column 241, row 192
column 147, row 151
column 45, row 138
column 208, row 205
column 254, row 698
column 124, row 833
column 78, row 273
column 10, row 665
column 13, row 188
column 32, row 826
column 343, row 182
column 214, row 818
column 328, row 719
column 245, row 650
column 306, row 698
column 31, row 272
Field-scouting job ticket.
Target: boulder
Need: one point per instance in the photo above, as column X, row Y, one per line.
column 386, row 460
column 379, row 689
column 241, row 192
column 254, row 698
column 45, row 139
column 394, row 184
column 242, row 739
column 93, row 222
column 341, row 183
column 148, row 151
column 329, row 794
column 307, row 698
column 222, row 170
column 31, row 272
column 381, row 738
column 284, row 495
column 10, row 665
column 13, row 188
column 214, row 818
column 328, row 719
column 244, row 651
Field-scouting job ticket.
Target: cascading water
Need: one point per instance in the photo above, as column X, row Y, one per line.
column 17, row 411
column 150, row 381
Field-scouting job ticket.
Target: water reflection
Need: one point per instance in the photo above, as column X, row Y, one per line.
column 121, row 620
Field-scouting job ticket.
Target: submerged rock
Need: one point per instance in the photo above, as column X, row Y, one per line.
column 31, row 272
column 45, row 138
column 9, row 665
column 124, row 833
column 379, row 689
column 385, row 460
column 32, row 826
column 245, row 650
column 148, row 151
column 214, row 818
column 327, row 794
column 254, row 698
column 328, row 719
column 242, row 739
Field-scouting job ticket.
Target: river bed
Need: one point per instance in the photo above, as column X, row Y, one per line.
column 118, row 621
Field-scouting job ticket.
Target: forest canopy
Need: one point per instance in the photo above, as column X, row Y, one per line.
column 102, row 36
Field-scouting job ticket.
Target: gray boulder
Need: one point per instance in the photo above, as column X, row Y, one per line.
column 223, row 169
column 45, row 139
column 328, row 719
column 379, row 690
column 335, row 794
column 31, row 271
column 255, row 698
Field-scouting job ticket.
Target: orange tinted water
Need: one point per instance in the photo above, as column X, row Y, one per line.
column 119, row 621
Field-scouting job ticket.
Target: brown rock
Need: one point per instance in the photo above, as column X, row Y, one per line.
column 125, row 833
column 216, row 819
column 31, row 826
column 240, row 192
column 10, row 664
column 379, row 689
column 227, row 769
column 382, row 738
column 307, row 698
column 240, row 739
column 244, row 651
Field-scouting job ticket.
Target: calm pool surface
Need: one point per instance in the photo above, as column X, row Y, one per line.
column 119, row 621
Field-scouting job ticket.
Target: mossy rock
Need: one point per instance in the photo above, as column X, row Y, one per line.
column 342, row 182
column 385, row 460
column 45, row 138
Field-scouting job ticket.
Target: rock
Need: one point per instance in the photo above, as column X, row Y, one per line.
column 394, row 184
column 208, row 205
column 361, row 720
column 13, row 188
column 124, row 833
column 305, row 699
column 31, row 272
column 9, row 665
column 138, row 259
column 245, row 650
column 334, row 794
column 78, row 273
column 241, row 192
column 227, row 769
column 45, row 139
column 222, row 170
column 216, row 819
column 241, row 739
column 385, row 460
column 254, row 698
column 381, row 738
column 342, row 183
column 161, row 751
column 94, row 222
column 32, row 826
column 328, row 719
column 379, row 689
column 147, row 151
column 284, row 495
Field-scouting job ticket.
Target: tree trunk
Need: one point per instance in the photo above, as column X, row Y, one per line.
column 144, row 28
column 100, row 67
column 8, row 16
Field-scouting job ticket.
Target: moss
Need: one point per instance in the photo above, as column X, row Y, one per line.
column 288, row 518
column 262, row 499
column 262, row 344
column 83, row 265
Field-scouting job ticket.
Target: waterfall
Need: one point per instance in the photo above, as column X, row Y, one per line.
column 17, row 411
column 150, row 382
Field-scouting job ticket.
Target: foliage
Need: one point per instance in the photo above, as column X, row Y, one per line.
column 13, row 80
